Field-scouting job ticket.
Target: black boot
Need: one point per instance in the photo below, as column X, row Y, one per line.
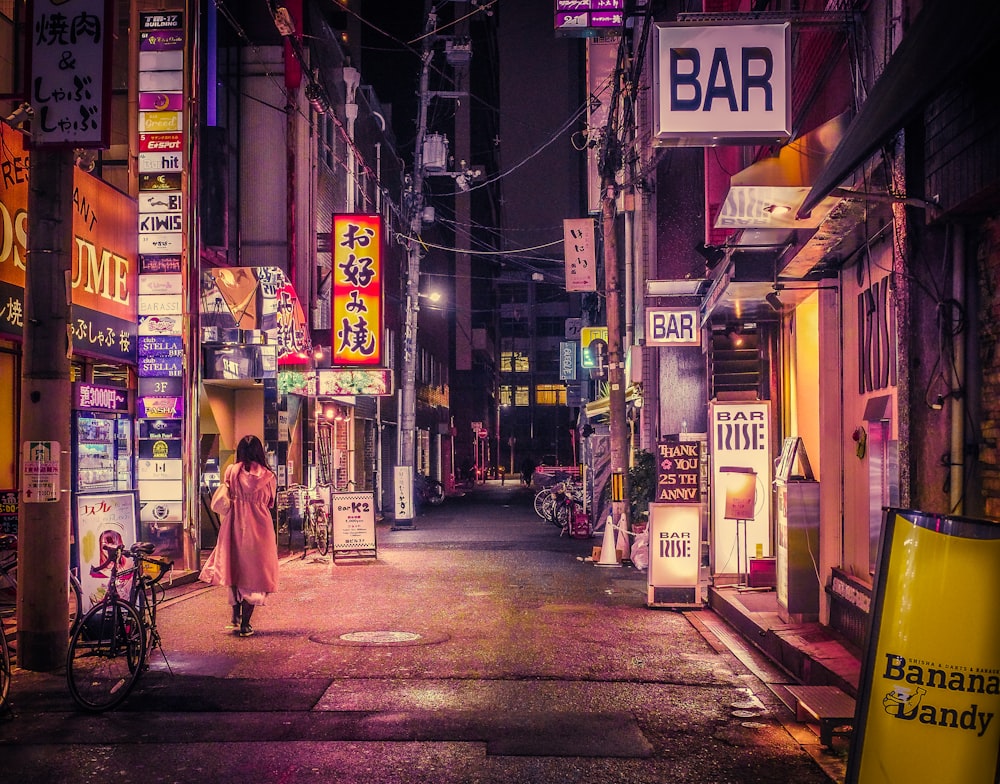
column 235, row 622
column 245, row 628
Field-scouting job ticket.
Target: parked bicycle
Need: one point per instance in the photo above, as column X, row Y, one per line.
column 311, row 508
column 111, row 645
column 427, row 490
column 558, row 504
column 8, row 583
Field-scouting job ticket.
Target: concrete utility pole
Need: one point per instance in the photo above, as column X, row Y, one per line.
column 610, row 157
column 408, row 388
column 43, row 526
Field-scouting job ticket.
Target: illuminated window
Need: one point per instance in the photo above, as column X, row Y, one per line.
column 550, row 395
column 522, row 396
column 514, row 362
column 505, row 394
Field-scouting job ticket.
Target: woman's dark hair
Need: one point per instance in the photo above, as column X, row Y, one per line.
column 251, row 450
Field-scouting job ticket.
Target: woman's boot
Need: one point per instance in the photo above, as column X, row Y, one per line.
column 247, row 610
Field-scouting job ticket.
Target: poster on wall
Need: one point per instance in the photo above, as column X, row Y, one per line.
column 105, row 520
column 929, row 691
column 740, row 438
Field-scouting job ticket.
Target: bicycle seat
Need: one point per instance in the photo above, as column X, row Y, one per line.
column 145, row 548
column 8, row 541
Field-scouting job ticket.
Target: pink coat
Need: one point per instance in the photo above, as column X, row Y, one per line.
column 246, row 555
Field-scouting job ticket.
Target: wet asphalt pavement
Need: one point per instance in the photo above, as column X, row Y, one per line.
column 479, row 647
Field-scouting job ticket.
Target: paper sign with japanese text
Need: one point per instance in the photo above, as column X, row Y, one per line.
column 578, row 249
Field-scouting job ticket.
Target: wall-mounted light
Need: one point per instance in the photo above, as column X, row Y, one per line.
column 85, row 159
column 774, row 301
column 18, row 118
column 940, row 400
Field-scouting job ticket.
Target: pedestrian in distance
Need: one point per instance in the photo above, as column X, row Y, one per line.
column 527, row 469
column 245, row 559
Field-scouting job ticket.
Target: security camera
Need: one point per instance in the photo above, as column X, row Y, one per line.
column 21, row 115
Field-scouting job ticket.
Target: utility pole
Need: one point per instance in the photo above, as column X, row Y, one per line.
column 408, row 392
column 44, row 520
column 610, row 157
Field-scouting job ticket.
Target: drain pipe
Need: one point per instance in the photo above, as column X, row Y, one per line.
column 958, row 401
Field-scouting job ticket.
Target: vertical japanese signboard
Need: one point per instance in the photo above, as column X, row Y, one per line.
column 929, row 693
column 357, row 290
column 70, row 67
column 578, row 248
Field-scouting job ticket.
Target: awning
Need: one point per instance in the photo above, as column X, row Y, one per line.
column 944, row 40
column 768, row 194
column 602, row 406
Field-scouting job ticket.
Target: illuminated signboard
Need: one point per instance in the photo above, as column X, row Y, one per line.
column 722, row 84
column 357, row 290
column 588, row 18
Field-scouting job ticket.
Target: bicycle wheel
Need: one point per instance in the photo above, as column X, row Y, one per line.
column 541, row 498
column 322, row 532
column 564, row 514
column 4, row 668
column 74, row 600
column 106, row 655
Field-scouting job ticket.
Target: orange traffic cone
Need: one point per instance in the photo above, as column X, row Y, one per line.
column 608, row 555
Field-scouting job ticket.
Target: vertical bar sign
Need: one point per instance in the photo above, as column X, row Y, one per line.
column 578, row 249
column 929, row 697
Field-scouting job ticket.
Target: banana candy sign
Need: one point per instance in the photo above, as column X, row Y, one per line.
column 929, row 697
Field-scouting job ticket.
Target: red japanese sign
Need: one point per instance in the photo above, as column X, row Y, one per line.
column 357, row 290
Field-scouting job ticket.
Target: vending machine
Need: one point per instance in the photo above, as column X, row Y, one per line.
column 103, row 471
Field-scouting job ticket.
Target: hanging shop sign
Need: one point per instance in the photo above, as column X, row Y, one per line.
column 357, row 290
column 334, row 382
column 588, row 18
column 91, row 397
column 929, row 692
column 722, row 84
column 672, row 327
column 578, row 252
column 70, row 67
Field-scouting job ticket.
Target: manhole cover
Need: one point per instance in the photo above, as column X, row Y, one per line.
column 745, row 714
column 380, row 638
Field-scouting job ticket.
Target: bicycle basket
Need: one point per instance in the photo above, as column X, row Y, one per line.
column 154, row 567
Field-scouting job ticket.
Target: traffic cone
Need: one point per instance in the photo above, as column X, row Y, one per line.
column 608, row 555
column 622, row 543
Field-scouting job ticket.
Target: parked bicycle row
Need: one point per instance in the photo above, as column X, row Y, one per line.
column 564, row 504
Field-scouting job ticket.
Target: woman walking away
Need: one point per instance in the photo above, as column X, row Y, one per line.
column 246, row 556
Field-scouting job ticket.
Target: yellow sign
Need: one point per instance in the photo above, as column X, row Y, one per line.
column 929, row 701
column 589, row 334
